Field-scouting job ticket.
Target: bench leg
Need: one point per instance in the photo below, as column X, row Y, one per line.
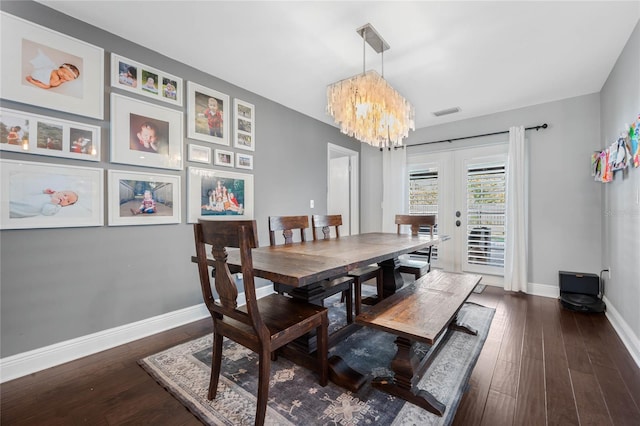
column 405, row 375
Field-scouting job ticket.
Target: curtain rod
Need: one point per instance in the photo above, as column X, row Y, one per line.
column 538, row 127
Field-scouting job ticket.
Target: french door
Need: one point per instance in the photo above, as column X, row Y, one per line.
column 466, row 189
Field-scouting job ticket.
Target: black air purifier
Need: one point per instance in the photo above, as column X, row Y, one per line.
column 581, row 292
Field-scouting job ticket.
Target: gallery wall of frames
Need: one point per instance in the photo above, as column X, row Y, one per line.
column 203, row 134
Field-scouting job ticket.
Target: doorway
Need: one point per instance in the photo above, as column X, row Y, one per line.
column 466, row 189
column 343, row 183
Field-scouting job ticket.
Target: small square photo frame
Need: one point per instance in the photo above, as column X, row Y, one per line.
column 137, row 198
column 199, row 154
column 44, row 195
column 244, row 125
column 132, row 76
column 223, row 158
column 30, row 54
column 244, row 161
column 208, row 114
column 42, row 135
column 218, row 195
column 145, row 134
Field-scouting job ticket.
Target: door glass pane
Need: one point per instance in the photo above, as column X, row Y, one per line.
column 423, row 199
column 486, row 215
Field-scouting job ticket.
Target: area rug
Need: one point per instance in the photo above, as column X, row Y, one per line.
column 295, row 398
column 479, row 288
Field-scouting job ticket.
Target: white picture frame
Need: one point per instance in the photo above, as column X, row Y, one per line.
column 32, row 51
column 244, row 125
column 132, row 76
column 244, row 161
column 199, row 99
column 132, row 120
column 41, row 135
column 203, row 183
column 126, row 194
column 45, row 195
column 223, row 158
column 199, row 154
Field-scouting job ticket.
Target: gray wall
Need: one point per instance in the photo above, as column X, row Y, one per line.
column 575, row 223
column 620, row 104
column 59, row 284
column 564, row 212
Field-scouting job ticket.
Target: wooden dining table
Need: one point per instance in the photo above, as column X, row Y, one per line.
column 304, row 264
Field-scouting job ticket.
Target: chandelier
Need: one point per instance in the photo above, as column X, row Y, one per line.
column 366, row 107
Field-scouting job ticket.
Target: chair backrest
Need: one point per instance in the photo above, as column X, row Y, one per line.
column 242, row 234
column 416, row 221
column 325, row 222
column 287, row 224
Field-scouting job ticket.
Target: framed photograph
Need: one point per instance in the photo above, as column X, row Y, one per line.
column 199, row 154
column 38, row 134
column 207, row 114
column 223, row 158
column 217, row 194
column 135, row 77
column 145, row 134
column 143, row 198
column 244, row 125
column 244, row 161
column 52, row 70
column 42, row 195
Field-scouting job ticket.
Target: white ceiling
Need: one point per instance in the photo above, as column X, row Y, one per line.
column 483, row 57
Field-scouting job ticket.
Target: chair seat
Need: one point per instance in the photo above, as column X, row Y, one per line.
column 366, row 273
column 281, row 314
column 417, row 268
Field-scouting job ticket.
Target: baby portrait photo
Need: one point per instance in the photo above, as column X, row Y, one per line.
column 144, row 134
column 148, row 134
column 208, row 114
column 143, row 198
column 39, row 195
column 132, row 76
column 50, row 69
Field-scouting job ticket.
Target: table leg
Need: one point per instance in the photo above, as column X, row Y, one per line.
column 392, row 279
column 405, row 375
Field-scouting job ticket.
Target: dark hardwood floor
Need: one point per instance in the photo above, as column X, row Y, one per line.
column 540, row 365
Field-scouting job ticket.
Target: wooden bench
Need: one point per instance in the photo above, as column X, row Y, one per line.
column 421, row 312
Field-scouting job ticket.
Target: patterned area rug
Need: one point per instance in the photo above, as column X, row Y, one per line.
column 295, row 398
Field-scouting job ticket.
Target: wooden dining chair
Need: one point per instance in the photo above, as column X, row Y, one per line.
column 262, row 325
column 416, row 267
column 317, row 292
column 321, row 226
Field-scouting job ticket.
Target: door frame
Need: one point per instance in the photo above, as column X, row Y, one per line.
column 337, row 151
column 450, row 162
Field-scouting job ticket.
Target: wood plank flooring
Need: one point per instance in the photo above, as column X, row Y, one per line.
column 540, row 365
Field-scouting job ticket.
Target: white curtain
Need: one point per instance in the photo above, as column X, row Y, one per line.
column 394, row 163
column 516, row 252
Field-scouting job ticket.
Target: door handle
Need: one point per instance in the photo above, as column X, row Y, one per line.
column 458, row 223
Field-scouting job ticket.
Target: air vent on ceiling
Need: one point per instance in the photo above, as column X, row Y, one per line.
column 446, row 111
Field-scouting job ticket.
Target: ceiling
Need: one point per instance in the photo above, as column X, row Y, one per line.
column 483, row 57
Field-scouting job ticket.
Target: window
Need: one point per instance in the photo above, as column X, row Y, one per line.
column 486, row 189
column 423, row 198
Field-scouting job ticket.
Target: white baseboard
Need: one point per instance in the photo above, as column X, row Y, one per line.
column 544, row 290
column 626, row 334
column 22, row 364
